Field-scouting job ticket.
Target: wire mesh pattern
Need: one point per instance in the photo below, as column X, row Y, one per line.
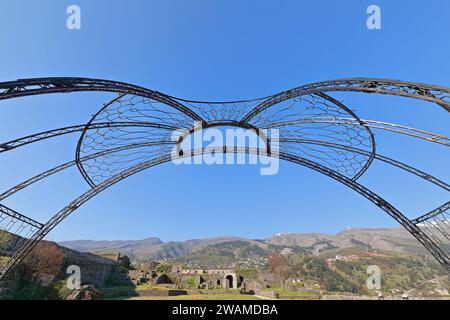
column 102, row 168
column 285, row 116
column 149, row 137
column 15, row 230
column 223, row 111
column 437, row 227
column 140, row 128
column 311, row 118
column 135, row 108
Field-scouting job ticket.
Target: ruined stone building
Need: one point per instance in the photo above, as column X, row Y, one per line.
column 210, row 279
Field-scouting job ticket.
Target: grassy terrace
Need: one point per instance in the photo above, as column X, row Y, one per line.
column 218, row 296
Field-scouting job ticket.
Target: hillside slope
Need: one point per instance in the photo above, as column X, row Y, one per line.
column 147, row 249
column 395, row 240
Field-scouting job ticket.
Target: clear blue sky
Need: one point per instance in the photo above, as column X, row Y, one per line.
column 221, row 50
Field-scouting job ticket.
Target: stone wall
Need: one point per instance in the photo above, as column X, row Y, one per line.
column 157, row 293
column 47, row 263
column 95, row 270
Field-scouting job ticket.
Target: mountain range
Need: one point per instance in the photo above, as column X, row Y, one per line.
column 151, row 248
column 394, row 240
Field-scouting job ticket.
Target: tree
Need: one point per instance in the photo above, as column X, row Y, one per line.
column 163, row 268
column 126, row 263
column 279, row 267
column 191, row 282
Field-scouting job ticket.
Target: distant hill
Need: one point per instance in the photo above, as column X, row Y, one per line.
column 395, row 240
column 146, row 249
column 92, row 245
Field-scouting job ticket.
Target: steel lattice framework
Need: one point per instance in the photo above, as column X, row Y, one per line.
column 134, row 131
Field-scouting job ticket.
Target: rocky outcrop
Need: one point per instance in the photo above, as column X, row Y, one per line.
column 86, row 293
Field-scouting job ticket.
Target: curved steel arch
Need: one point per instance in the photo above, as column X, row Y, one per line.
column 39, row 86
column 431, row 229
column 16, row 143
column 413, row 132
column 393, row 127
column 437, row 94
column 393, row 162
column 52, row 171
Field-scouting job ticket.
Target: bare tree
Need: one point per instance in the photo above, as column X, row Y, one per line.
column 280, row 268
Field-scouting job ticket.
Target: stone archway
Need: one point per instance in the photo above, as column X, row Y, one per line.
column 164, row 279
column 241, row 281
column 230, row 282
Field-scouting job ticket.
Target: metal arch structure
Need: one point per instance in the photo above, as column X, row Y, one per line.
column 141, row 128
